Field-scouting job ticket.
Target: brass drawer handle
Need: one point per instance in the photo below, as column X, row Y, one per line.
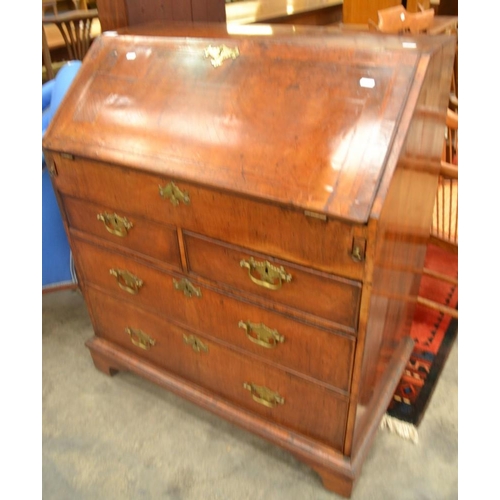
column 263, row 395
column 174, row 194
column 271, row 277
column 187, row 288
column 196, row 344
column 140, row 339
column 119, row 226
column 261, row 334
column 127, row 281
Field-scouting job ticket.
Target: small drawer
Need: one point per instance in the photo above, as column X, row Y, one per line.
column 126, row 277
column 330, row 297
column 129, row 231
column 262, row 389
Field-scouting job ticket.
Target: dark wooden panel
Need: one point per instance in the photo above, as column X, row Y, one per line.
column 143, row 11
column 208, row 10
column 112, row 14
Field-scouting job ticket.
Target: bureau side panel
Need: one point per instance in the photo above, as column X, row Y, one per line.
column 400, row 227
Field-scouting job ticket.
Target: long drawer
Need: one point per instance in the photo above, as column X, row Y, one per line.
column 326, row 355
column 278, row 396
column 330, row 297
column 140, row 235
column 264, row 227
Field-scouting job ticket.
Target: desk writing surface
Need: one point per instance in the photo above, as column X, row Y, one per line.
column 333, row 114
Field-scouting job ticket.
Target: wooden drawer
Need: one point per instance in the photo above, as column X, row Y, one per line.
column 303, row 405
column 262, row 226
column 330, row 297
column 126, row 277
column 223, row 317
column 133, row 232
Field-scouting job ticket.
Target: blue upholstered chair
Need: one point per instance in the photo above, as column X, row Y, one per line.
column 57, row 263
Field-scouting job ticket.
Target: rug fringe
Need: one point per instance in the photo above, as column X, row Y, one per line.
column 402, row 429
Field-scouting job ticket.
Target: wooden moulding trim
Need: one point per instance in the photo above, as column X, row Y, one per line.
column 59, row 287
column 314, row 453
column 381, row 400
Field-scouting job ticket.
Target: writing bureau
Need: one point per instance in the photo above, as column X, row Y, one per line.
column 248, row 216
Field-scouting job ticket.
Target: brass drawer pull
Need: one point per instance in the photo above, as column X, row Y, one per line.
column 174, row 194
column 187, row 288
column 119, row 226
column 140, row 339
column 263, row 395
column 271, row 277
column 261, row 334
column 196, row 344
column 127, row 281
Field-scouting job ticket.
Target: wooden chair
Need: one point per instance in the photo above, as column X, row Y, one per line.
column 397, row 20
column 76, row 29
column 444, row 228
column 49, row 4
column 391, row 20
column 420, row 22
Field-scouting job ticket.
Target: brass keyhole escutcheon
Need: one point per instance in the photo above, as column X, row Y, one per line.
column 187, row 288
column 173, row 193
column 196, row 344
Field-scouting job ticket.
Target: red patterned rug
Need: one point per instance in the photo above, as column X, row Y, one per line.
column 434, row 333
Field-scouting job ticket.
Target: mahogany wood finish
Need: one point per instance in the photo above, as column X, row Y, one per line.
column 277, row 287
column 362, row 11
column 115, row 14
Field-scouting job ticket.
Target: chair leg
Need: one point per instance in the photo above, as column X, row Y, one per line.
column 47, row 59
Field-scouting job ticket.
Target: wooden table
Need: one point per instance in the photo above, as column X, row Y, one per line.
column 444, row 25
column 273, row 10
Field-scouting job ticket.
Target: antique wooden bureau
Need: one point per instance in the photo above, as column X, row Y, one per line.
column 248, row 216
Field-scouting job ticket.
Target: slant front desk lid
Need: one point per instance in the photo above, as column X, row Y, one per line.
column 305, row 118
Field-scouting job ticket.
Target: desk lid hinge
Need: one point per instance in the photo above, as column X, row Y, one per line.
column 315, row 215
